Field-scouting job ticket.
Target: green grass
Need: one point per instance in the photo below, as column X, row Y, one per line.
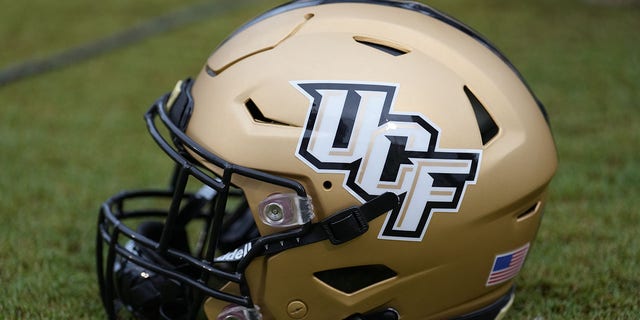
column 71, row 137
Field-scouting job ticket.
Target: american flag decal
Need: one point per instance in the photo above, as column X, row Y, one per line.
column 507, row 265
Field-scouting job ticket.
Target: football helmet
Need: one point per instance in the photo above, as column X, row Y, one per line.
column 336, row 159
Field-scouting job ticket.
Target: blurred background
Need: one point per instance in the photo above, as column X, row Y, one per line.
column 76, row 77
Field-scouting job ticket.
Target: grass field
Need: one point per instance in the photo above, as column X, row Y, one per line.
column 72, row 137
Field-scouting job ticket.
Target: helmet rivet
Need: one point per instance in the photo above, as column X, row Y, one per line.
column 297, row 309
column 274, row 211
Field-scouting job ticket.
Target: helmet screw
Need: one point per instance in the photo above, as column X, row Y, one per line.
column 274, row 211
column 297, row 309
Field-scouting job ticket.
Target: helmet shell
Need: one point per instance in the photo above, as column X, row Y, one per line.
column 437, row 66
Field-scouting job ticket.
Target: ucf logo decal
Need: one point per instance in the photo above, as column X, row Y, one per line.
column 351, row 128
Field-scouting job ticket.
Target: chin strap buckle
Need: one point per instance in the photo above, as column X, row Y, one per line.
column 338, row 228
column 345, row 226
column 353, row 222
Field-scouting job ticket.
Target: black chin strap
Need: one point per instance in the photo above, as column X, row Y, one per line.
column 340, row 227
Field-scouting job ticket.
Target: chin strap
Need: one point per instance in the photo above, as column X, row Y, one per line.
column 341, row 227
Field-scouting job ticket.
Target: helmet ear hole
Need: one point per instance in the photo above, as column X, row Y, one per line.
column 327, row 185
column 352, row 279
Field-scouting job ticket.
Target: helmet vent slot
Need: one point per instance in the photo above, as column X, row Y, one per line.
column 379, row 45
column 258, row 116
column 529, row 212
column 352, row 279
column 488, row 127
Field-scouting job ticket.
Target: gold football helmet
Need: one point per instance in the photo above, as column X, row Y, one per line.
column 335, row 160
